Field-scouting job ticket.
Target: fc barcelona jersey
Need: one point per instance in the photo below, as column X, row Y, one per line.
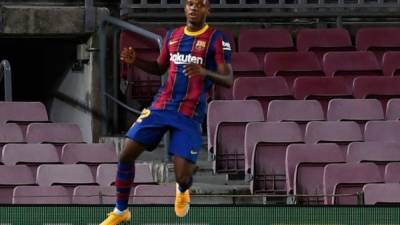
column 187, row 95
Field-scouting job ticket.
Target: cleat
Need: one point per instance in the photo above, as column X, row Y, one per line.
column 182, row 202
column 114, row 219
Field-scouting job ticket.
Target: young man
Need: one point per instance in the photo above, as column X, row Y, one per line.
column 196, row 56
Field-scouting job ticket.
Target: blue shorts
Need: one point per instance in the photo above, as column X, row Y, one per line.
column 185, row 133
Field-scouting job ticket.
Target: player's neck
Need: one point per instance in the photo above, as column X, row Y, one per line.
column 195, row 27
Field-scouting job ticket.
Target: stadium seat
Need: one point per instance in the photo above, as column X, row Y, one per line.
column 382, row 131
column 83, row 194
column 262, row 41
column 12, row 176
column 225, row 111
column 244, row 64
column 31, row 155
column 392, row 174
column 106, row 174
column 89, row 154
column 54, row 133
column 342, row 133
column 141, row 84
column 346, row 180
column 263, row 89
column 391, row 63
column 323, row 40
column 291, row 65
column 265, row 149
column 382, row 88
column 350, row 65
column 380, row 153
column 66, row 175
column 10, row 133
column 22, row 113
column 299, row 111
column 154, row 194
column 304, row 166
column 322, row 89
column 358, row 110
column 376, row 194
column 393, row 109
column 41, row 195
column 378, row 39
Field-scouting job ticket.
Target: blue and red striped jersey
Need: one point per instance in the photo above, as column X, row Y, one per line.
column 182, row 93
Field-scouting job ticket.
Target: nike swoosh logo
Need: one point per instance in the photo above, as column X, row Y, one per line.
column 193, row 152
column 173, row 42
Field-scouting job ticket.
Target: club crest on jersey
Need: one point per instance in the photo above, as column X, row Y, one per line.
column 226, row 46
column 178, row 59
column 200, row 45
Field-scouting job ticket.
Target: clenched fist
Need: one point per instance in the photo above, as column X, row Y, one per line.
column 128, row 55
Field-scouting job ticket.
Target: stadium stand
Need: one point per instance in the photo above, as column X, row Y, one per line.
column 12, row 176
column 105, row 175
column 382, row 131
column 377, row 194
column 392, row 172
column 151, row 194
column 94, row 195
column 393, row 109
column 291, row 65
column 322, row 40
column 347, row 180
column 304, row 166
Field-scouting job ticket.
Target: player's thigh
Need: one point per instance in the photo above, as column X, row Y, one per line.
column 131, row 151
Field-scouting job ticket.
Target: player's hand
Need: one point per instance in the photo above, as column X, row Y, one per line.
column 195, row 69
column 128, row 55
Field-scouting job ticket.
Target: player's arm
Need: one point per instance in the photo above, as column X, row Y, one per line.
column 128, row 56
column 223, row 76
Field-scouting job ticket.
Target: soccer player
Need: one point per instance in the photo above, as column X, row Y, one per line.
column 196, row 56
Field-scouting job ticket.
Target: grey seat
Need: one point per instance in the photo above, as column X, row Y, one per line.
column 382, row 131
column 381, row 194
column 392, row 174
column 393, row 109
column 83, row 194
column 12, row 176
column 155, row 194
column 106, row 174
column 66, row 175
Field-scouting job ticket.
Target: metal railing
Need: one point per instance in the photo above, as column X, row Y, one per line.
column 119, row 24
column 5, row 74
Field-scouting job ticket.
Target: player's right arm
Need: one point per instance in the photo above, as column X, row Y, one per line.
column 128, row 56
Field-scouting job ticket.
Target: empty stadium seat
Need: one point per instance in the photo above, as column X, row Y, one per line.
column 155, row 194
column 358, row 110
column 382, row 131
column 378, row 39
column 322, row 89
column 261, row 41
column 391, row 63
column 291, row 65
column 29, row 154
column 12, row 176
column 350, row 65
column 265, row 149
column 304, row 168
column 54, row 133
column 65, row 175
column 376, row 194
column 393, row 109
column 22, row 113
column 392, row 174
column 141, row 84
column 10, row 133
column 225, row 111
column 89, row 154
column 382, row 88
column 244, row 64
column 342, row 133
column 263, row 89
column 106, row 174
column 323, row 40
column 41, row 195
column 83, row 194
column 379, row 153
column 346, row 180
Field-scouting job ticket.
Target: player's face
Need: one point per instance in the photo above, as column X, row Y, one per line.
column 196, row 11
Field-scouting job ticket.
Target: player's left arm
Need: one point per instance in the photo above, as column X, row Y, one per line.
column 223, row 75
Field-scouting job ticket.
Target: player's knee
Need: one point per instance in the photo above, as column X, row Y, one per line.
column 181, row 179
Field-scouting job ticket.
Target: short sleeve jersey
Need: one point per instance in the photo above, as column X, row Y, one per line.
column 187, row 95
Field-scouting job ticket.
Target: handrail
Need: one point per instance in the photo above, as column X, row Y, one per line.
column 108, row 20
column 5, row 73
